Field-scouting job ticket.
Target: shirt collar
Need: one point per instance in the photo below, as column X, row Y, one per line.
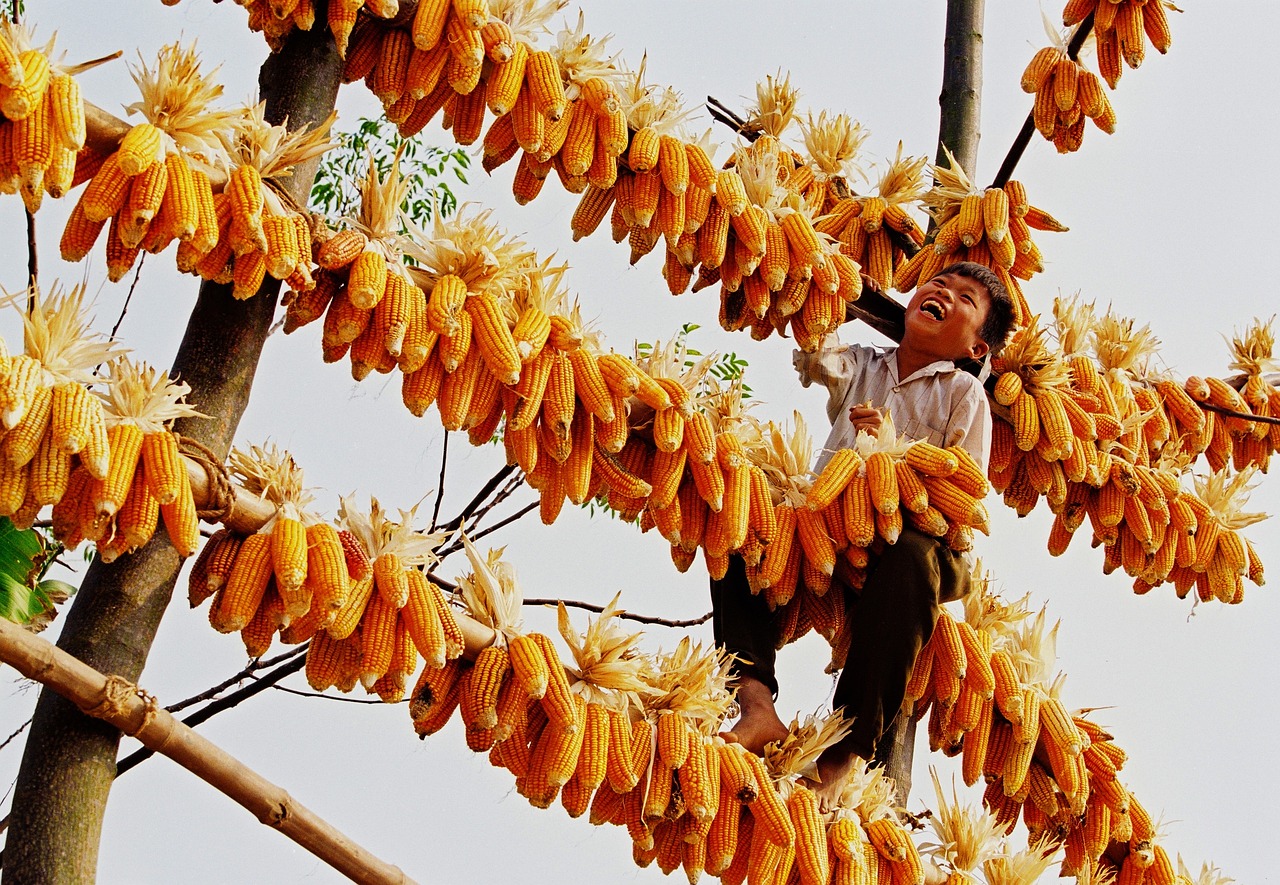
column 938, row 367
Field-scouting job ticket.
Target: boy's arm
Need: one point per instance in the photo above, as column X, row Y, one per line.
column 970, row 424
column 834, row 365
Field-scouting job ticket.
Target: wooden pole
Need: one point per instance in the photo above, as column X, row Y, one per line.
column 124, row 706
column 959, row 129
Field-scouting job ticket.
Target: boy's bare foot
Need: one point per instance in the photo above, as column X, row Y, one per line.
column 759, row 723
column 834, row 766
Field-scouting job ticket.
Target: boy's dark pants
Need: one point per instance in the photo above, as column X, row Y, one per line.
column 891, row 620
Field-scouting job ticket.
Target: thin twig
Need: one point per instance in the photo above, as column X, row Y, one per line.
column 474, row 503
column 33, row 259
column 328, row 697
column 259, row 684
column 21, row 729
column 1023, row 138
column 643, row 619
column 457, row 545
column 1247, row 416
column 249, row 669
column 444, row 461
column 125, row 308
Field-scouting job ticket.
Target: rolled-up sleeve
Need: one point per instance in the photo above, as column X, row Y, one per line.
column 970, row 424
column 834, row 365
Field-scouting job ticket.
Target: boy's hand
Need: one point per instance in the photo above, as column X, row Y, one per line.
column 866, row 418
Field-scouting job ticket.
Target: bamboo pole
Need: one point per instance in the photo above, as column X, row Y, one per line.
column 123, row 705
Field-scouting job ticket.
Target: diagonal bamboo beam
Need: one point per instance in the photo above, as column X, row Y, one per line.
column 123, row 705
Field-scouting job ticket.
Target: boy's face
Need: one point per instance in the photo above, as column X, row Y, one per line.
column 944, row 318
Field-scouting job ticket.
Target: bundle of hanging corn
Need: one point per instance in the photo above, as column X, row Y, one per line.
column 576, row 125
column 147, row 478
column 985, row 681
column 261, row 230
column 829, row 525
column 42, row 124
column 876, row 231
column 690, row 776
column 464, row 59
column 392, row 611
column 372, row 310
column 516, row 692
column 1066, row 94
column 991, row 227
column 1251, row 442
column 1127, row 482
column 158, row 185
column 265, row 584
column 51, row 425
column 1047, row 439
column 1121, row 29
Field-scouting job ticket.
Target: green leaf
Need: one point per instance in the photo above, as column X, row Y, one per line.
column 25, row 597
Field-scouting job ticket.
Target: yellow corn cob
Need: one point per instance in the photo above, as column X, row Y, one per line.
column 969, row 225
column 833, row 479
column 22, row 98
column 930, row 460
column 246, row 585
column 377, row 639
column 529, row 665
column 546, row 89
column 423, row 622
column 125, row 442
column 882, row 482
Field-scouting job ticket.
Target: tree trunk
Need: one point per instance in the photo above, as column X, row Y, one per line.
column 69, row 760
column 958, row 130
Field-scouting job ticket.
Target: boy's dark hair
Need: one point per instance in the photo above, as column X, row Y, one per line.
column 1000, row 312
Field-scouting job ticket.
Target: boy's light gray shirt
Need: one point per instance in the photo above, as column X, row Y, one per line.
column 938, row 403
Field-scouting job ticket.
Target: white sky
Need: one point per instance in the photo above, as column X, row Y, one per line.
column 1163, row 215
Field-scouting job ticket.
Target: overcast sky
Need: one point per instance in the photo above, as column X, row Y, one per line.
column 1169, row 219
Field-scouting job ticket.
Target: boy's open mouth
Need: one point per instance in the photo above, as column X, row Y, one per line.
column 934, row 309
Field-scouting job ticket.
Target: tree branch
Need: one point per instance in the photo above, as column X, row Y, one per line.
column 260, row 684
column 1023, row 138
column 444, row 462
column 479, row 497
column 252, row 667
column 643, row 619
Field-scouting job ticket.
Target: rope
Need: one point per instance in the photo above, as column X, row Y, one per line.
column 222, row 494
column 113, row 705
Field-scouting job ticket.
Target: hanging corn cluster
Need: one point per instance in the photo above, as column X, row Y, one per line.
column 515, row 699
column 157, row 185
column 41, row 118
column 147, row 478
column 463, row 59
column 372, row 309
column 1105, row 439
column 265, row 582
column 1066, row 94
column 392, row 611
column 985, row 683
column 51, row 425
column 876, row 231
column 1121, row 29
column 261, row 231
column 991, row 227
